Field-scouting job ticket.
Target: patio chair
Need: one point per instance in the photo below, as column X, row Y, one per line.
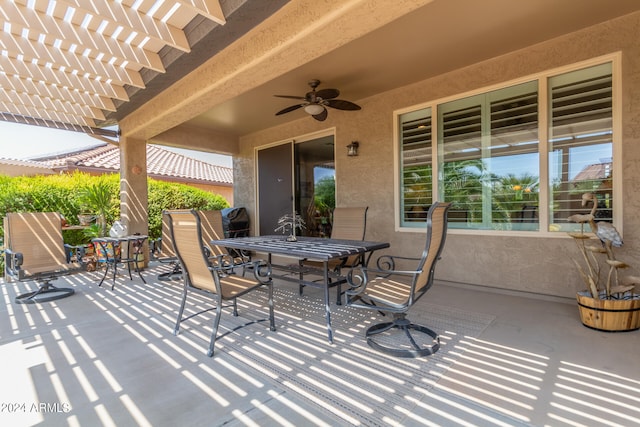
column 218, row 280
column 35, row 251
column 165, row 252
column 390, row 291
column 348, row 224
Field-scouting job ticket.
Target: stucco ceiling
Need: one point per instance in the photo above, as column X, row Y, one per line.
column 441, row 36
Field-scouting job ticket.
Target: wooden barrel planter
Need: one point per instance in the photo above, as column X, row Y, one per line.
column 610, row 315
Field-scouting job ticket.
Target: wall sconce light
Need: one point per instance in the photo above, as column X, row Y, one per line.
column 352, row 149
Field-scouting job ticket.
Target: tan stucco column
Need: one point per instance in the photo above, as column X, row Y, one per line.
column 133, row 186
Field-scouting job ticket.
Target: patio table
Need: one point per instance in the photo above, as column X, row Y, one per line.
column 312, row 248
column 112, row 250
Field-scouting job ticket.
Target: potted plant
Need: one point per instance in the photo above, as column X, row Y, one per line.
column 609, row 303
column 97, row 198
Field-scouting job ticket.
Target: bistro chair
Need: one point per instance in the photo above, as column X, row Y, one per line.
column 165, row 252
column 348, row 224
column 390, row 291
column 219, row 279
column 35, row 251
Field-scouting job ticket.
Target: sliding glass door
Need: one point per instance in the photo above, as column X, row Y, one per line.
column 297, row 176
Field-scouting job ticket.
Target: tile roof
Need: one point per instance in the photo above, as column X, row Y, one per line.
column 14, row 167
column 160, row 163
column 594, row 172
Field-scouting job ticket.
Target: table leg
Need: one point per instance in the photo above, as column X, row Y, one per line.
column 137, row 250
column 107, row 262
column 327, row 307
column 115, row 265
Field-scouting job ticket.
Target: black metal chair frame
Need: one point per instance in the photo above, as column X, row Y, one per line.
column 221, row 269
column 360, row 278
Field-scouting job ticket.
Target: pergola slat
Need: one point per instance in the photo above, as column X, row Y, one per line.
column 210, row 9
column 13, row 66
column 48, row 103
column 31, row 49
column 66, row 61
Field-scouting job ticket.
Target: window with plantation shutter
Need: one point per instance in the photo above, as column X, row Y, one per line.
column 416, row 172
column 580, row 143
column 489, row 159
column 488, row 153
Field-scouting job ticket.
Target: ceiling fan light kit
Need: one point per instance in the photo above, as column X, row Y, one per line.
column 315, row 102
column 314, row 109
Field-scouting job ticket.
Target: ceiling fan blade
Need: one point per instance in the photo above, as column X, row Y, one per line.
column 302, row 98
column 288, row 109
column 342, row 104
column 328, row 93
column 322, row 116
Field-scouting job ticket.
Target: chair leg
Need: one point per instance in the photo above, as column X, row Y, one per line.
column 272, row 321
column 235, row 307
column 301, row 277
column 216, row 323
column 410, row 347
column 180, row 311
column 175, row 271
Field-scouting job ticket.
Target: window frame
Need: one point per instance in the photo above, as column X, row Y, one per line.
column 543, row 133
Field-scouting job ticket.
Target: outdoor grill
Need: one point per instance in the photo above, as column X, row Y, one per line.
column 235, row 222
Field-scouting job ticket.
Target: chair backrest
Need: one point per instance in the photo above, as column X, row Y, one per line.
column 167, row 251
column 436, row 236
column 186, row 233
column 38, row 237
column 349, row 223
column 212, row 229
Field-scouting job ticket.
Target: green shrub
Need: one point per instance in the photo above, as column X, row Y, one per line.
column 167, row 196
column 67, row 194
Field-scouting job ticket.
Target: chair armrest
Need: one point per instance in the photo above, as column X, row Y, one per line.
column 76, row 251
column 12, row 262
column 261, row 271
column 388, row 262
column 223, row 264
column 155, row 246
column 358, row 277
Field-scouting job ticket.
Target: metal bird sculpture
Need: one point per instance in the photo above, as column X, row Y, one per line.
column 605, row 231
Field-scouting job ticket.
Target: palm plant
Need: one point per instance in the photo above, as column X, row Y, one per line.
column 97, row 198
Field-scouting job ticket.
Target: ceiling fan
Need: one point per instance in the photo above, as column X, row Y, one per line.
column 314, row 102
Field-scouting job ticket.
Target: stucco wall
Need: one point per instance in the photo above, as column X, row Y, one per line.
column 533, row 264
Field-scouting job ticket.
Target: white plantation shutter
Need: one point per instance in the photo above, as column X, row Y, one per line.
column 416, row 175
column 580, row 142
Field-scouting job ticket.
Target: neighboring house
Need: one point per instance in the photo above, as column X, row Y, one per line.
column 163, row 165
column 12, row 167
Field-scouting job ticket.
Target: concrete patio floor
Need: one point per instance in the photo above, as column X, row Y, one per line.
column 103, row 357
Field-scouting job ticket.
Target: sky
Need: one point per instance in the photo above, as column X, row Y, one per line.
column 20, row 141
